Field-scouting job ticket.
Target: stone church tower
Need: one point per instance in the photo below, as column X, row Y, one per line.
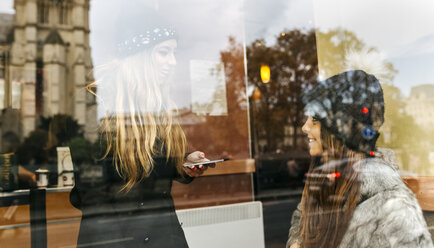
column 51, row 61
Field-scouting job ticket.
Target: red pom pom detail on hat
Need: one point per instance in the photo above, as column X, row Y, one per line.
column 371, row 153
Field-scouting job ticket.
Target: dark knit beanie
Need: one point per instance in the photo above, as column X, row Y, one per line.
column 146, row 39
column 350, row 106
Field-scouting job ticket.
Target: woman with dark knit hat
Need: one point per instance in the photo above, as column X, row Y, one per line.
column 354, row 196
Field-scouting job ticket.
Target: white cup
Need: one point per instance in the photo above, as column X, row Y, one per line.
column 42, row 178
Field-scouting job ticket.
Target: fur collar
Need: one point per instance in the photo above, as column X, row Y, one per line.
column 378, row 174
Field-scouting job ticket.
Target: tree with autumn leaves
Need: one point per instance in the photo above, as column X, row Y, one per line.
column 297, row 60
column 294, row 68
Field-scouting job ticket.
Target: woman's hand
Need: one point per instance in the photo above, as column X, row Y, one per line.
column 196, row 157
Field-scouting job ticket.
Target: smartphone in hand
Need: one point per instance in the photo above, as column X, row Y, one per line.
column 206, row 162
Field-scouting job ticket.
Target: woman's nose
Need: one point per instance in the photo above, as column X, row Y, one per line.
column 172, row 59
column 305, row 128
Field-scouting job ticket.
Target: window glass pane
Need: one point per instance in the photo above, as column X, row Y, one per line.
column 316, row 116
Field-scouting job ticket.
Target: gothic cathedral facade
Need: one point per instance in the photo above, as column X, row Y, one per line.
column 50, row 62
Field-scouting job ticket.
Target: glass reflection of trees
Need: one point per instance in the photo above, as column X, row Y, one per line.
column 297, row 60
column 293, row 65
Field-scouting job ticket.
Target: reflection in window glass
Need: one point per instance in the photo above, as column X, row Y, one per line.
column 323, row 118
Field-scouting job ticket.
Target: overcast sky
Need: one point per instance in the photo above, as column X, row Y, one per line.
column 6, row 6
column 402, row 30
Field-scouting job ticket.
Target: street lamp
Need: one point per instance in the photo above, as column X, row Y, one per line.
column 256, row 94
column 265, row 73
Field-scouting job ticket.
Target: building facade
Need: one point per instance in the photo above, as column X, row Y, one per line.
column 420, row 105
column 49, row 63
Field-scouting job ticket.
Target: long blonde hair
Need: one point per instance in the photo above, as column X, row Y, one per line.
column 327, row 211
column 139, row 122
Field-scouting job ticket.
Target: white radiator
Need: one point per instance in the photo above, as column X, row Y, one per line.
column 235, row 225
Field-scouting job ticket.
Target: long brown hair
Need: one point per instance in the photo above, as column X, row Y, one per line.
column 330, row 195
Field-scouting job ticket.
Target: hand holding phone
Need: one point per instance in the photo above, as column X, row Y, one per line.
column 196, row 164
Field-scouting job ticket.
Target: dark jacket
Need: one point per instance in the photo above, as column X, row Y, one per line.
column 143, row 217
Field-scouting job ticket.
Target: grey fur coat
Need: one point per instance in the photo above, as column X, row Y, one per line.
column 388, row 216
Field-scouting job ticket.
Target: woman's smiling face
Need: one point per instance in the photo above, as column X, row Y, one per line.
column 163, row 56
column 312, row 128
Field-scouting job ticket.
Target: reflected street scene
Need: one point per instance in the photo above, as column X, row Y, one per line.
column 246, row 123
